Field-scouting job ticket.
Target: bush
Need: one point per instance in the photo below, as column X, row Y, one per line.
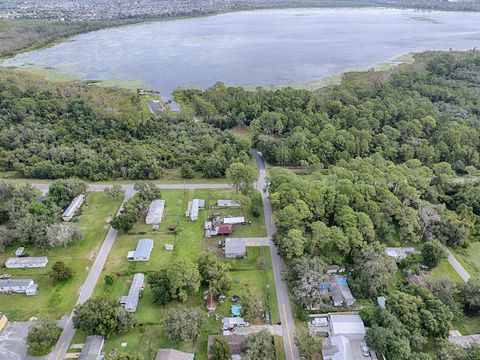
column 60, row 273
column 42, row 336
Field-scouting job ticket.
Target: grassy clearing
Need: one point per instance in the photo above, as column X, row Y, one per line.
column 468, row 325
column 59, row 300
column 255, row 271
column 469, row 258
column 443, row 271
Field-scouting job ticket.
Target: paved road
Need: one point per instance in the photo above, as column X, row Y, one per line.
column 129, row 187
column 286, row 317
column 87, row 288
column 457, row 266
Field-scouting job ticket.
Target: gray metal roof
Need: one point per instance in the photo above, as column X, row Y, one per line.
column 15, row 282
column 234, row 246
column 172, row 354
column 339, row 289
column 92, row 347
column 74, row 205
column 31, row 260
column 134, row 292
column 155, row 212
column 144, row 248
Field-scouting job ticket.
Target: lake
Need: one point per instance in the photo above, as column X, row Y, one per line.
column 251, row 48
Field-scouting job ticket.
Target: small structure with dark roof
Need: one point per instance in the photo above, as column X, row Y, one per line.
column 172, row 354
column 211, row 303
column 417, row 280
column 92, row 348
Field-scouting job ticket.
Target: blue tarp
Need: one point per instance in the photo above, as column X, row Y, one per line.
column 342, row 281
column 236, row 310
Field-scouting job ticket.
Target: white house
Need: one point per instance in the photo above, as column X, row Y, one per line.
column 400, row 253
column 155, row 212
column 142, row 252
column 349, row 325
column 26, row 262
column 20, row 286
column 92, row 348
column 234, row 220
column 193, row 208
column 69, row 213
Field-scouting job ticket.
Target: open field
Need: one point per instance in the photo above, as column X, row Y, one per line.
column 467, row 325
column 255, row 271
column 59, row 300
column 443, row 271
column 470, row 258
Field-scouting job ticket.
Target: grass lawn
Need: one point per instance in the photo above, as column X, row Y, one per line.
column 255, row 271
column 59, row 300
column 467, row 325
column 470, row 258
column 443, row 271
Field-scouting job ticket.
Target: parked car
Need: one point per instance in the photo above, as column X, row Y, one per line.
column 76, row 220
column 365, row 349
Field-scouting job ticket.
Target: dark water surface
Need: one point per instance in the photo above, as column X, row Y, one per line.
column 269, row 47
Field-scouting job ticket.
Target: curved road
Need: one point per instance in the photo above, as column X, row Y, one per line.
column 284, row 308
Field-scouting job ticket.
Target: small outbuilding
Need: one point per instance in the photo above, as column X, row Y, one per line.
column 169, row 247
column 155, row 212
column 235, row 248
column 142, row 251
column 71, row 210
column 26, row 262
column 92, row 348
column 233, row 321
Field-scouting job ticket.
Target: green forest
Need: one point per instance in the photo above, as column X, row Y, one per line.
column 384, row 159
column 52, row 131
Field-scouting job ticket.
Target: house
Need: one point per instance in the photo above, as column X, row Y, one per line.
column 233, row 321
column 349, row 325
column 193, row 208
column 155, row 212
column 337, row 348
column 234, row 220
column 235, row 342
column 400, row 253
column 142, row 252
column 335, row 269
column 235, row 248
column 340, row 291
column 130, row 302
column 3, row 321
column 69, row 213
column 92, row 348
column 172, row 354
column 228, row 203
column 20, row 286
column 26, row 262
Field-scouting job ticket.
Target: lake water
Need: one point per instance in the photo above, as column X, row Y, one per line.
column 269, row 47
